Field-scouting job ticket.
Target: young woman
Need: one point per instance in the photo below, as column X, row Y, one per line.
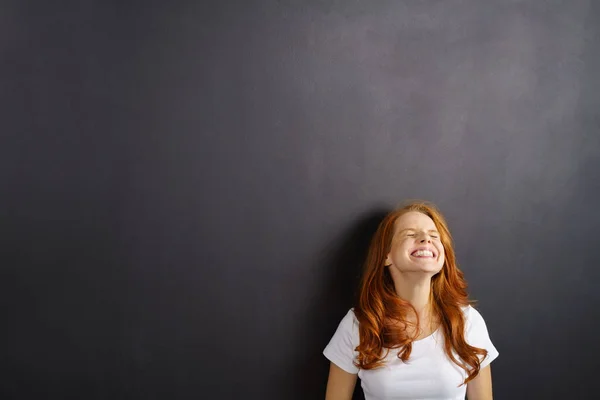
column 412, row 333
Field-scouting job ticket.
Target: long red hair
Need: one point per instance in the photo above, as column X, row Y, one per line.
column 378, row 305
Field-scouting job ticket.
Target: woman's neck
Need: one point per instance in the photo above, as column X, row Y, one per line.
column 417, row 291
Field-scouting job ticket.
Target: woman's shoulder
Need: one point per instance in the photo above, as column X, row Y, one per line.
column 471, row 313
column 473, row 319
column 351, row 316
column 477, row 334
column 350, row 322
column 341, row 348
column 348, row 328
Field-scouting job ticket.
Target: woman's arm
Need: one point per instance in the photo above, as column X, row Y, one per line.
column 480, row 388
column 340, row 384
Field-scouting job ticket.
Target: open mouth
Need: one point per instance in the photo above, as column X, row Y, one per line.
column 423, row 253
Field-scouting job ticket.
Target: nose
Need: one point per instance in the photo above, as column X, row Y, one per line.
column 425, row 239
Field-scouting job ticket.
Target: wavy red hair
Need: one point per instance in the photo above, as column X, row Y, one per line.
column 378, row 306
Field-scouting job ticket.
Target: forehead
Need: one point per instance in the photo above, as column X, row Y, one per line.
column 416, row 220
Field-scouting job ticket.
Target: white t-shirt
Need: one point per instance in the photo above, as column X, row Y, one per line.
column 428, row 375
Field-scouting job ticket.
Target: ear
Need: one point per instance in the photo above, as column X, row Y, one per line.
column 388, row 261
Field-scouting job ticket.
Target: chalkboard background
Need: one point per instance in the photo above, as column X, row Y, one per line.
column 188, row 188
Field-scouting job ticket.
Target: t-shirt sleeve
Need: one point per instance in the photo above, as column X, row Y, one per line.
column 340, row 349
column 478, row 336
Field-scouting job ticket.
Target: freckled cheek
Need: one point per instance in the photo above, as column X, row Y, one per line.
column 401, row 249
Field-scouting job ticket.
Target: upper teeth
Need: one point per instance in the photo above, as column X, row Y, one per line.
column 421, row 253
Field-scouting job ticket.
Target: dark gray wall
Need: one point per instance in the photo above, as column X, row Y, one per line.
column 187, row 190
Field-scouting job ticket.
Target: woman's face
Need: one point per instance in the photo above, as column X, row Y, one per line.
column 416, row 245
